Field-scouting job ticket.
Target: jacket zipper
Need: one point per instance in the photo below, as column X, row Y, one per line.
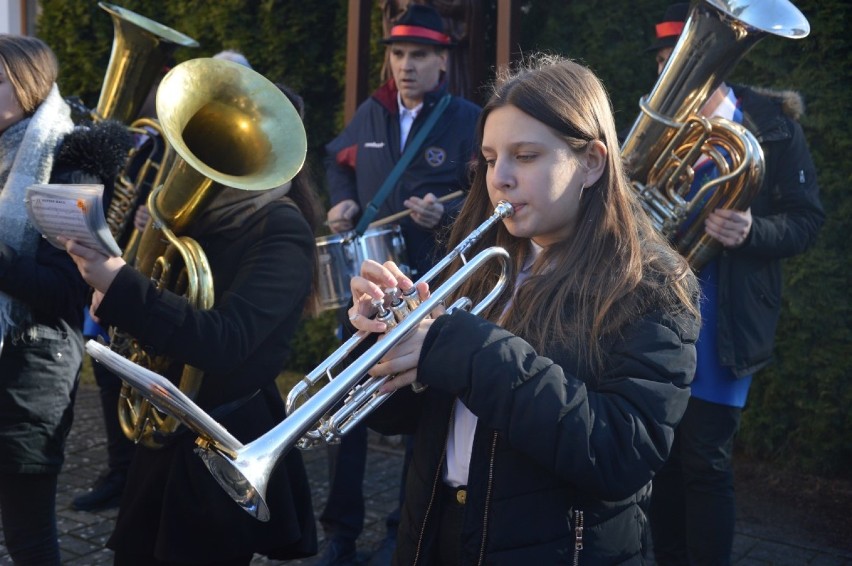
column 578, row 536
column 487, row 499
column 432, row 498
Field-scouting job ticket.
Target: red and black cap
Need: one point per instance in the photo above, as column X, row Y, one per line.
column 668, row 31
column 419, row 24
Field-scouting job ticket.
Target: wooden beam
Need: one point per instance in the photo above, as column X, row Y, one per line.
column 478, row 66
column 508, row 34
column 357, row 56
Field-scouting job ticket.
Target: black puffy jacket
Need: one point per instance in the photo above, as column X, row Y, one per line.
column 553, row 443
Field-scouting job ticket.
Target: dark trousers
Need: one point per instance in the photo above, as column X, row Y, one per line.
column 119, row 448
column 692, row 503
column 124, row 559
column 28, row 511
column 343, row 516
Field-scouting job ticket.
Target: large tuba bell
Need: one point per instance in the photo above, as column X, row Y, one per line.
column 140, row 49
column 228, row 126
column 669, row 136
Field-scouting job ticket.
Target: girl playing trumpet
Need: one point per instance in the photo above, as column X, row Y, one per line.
column 544, row 420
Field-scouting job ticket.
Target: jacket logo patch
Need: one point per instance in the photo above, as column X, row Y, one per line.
column 374, row 145
column 435, row 156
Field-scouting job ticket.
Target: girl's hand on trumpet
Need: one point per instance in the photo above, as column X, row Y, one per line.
column 401, row 360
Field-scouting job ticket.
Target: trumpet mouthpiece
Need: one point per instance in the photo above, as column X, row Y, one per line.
column 504, row 209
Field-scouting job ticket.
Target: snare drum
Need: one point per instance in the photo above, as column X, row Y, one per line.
column 341, row 256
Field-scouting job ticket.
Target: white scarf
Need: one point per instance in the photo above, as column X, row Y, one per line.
column 21, row 165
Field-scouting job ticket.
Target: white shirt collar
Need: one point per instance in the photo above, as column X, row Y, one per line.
column 406, row 119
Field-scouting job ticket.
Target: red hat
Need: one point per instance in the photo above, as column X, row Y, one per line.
column 668, row 31
column 419, row 24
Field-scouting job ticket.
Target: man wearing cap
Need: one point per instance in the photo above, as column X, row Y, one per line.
column 692, row 505
column 359, row 161
column 363, row 155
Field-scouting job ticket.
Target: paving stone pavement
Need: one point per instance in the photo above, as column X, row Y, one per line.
column 82, row 535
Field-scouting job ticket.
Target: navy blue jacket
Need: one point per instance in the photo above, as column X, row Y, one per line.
column 363, row 155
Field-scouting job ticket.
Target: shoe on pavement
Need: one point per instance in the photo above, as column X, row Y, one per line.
column 337, row 552
column 383, row 554
column 104, row 494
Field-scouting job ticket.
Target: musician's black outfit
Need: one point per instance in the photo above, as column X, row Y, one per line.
column 562, row 456
column 172, row 509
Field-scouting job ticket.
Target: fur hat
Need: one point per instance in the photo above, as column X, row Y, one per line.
column 419, row 24
column 99, row 150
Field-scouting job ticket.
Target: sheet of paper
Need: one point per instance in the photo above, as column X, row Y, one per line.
column 73, row 212
column 164, row 394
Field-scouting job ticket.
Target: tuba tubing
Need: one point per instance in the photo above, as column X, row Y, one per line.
column 244, row 473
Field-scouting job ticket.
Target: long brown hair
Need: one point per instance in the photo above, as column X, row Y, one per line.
column 614, row 267
column 30, row 66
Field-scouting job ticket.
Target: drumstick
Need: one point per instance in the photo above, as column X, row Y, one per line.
column 407, row 211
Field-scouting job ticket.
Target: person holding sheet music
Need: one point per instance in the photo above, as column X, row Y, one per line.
column 385, row 132
column 42, row 295
column 261, row 250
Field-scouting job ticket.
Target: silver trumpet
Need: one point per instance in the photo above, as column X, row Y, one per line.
column 243, row 470
column 244, row 474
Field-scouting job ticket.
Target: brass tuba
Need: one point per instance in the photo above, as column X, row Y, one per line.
column 669, row 136
column 140, row 49
column 228, row 126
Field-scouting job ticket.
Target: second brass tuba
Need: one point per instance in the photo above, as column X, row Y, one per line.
column 669, row 136
column 228, row 126
column 140, row 49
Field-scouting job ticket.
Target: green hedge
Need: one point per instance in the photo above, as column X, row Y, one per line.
column 797, row 414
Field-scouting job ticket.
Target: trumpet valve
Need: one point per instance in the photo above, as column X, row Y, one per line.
column 411, row 298
column 384, row 314
column 399, row 305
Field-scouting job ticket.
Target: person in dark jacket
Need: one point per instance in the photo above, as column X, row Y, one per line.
column 42, row 295
column 363, row 155
column 693, row 507
column 261, row 251
column 359, row 161
column 543, row 420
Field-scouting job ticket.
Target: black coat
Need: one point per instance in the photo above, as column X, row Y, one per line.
column 552, row 440
column 172, row 507
column 786, row 218
column 39, row 375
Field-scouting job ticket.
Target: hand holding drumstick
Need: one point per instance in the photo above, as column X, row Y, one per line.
column 426, row 211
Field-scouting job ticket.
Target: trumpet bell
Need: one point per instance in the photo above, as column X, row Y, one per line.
column 244, row 479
